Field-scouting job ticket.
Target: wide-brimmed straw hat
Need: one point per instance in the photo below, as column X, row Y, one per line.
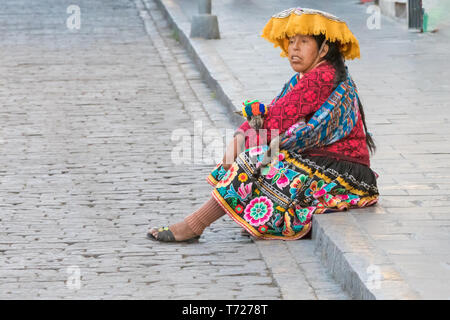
column 311, row 22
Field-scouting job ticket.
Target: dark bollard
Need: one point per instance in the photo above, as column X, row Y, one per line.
column 415, row 14
column 205, row 25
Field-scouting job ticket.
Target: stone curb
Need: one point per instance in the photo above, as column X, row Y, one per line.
column 363, row 270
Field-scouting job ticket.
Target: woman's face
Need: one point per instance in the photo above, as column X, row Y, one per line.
column 302, row 53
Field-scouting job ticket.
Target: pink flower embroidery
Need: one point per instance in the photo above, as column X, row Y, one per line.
column 279, row 174
column 290, row 110
column 229, row 175
column 245, row 190
column 310, row 96
column 273, row 123
column 304, row 214
column 258, row 211
column 327, row 76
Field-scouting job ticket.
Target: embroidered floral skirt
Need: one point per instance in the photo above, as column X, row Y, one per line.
column 280, row 203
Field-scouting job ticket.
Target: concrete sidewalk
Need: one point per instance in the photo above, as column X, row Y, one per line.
column 404, row 240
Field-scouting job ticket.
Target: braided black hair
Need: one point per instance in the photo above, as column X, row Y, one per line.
column 334, row 56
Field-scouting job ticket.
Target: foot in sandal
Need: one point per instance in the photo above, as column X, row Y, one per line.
column 174, row 233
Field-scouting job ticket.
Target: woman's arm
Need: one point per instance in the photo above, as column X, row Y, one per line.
column 233, row 149
column 242, row 128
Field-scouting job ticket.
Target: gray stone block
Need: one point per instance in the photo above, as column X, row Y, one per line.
column 205, row 26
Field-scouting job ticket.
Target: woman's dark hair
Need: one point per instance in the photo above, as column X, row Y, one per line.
column 334, row 56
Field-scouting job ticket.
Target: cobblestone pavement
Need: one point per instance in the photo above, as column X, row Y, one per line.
column 86, row 123
column 405, row 92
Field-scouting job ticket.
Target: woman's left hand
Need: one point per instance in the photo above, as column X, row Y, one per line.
column 233, row 149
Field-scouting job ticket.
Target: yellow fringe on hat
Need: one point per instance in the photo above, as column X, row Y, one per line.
column 277, row 31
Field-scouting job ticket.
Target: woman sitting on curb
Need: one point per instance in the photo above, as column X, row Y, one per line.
column 323, row 163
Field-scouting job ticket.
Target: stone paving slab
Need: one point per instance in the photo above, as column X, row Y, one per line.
column 402, row 88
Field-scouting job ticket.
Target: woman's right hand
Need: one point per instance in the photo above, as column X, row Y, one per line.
column 233, row 149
